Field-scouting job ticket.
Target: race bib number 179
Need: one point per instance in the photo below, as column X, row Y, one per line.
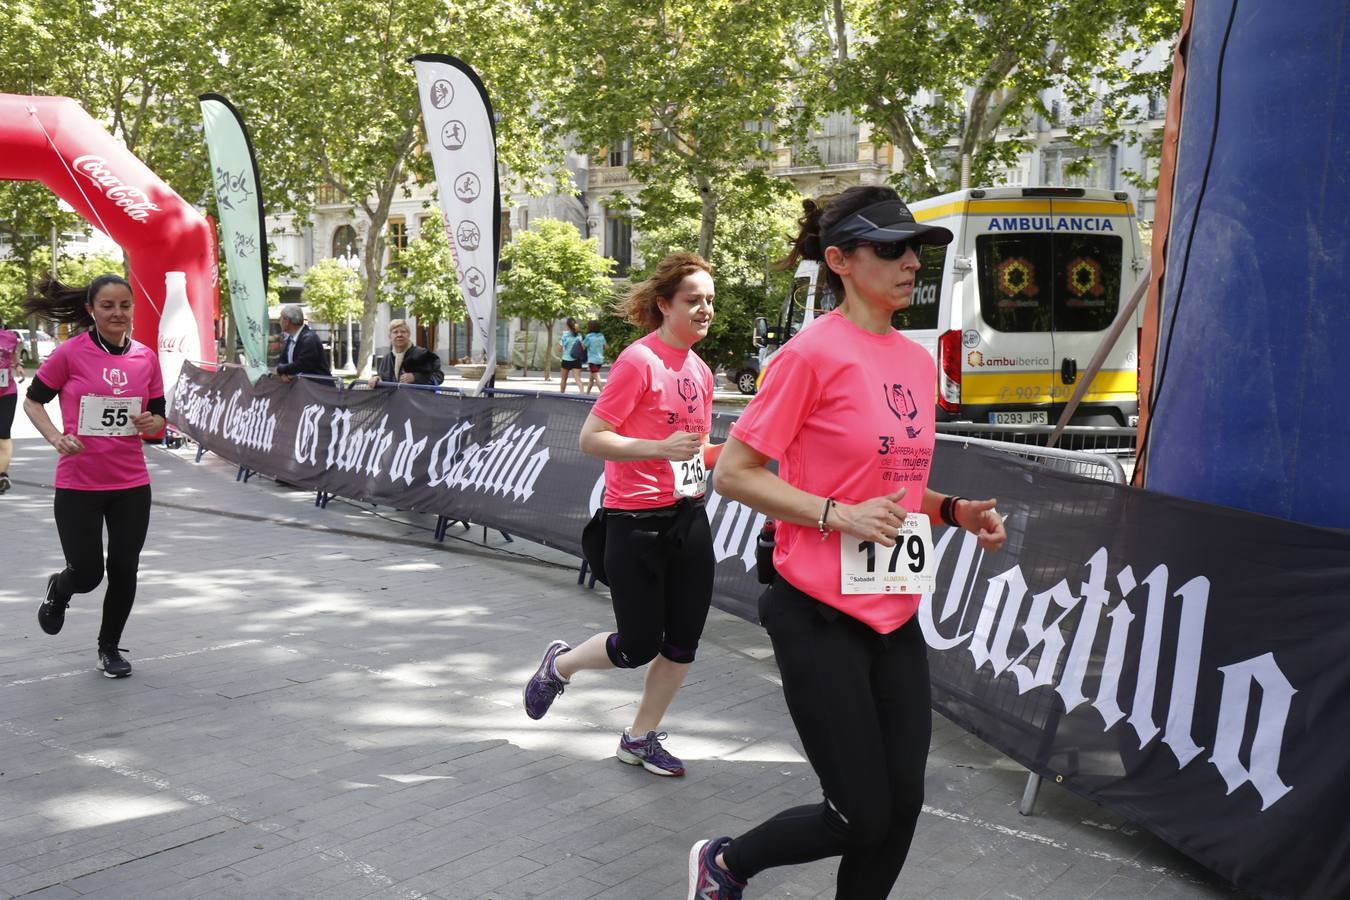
column 907, row 568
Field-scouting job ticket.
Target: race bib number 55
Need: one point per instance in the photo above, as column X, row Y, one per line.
column 906, row 568
column 108, row 416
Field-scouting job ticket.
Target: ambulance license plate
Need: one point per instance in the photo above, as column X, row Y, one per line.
column 1019, row 418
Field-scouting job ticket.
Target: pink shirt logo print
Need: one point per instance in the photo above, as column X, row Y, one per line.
column 901, row 402
column 688, row 392
column 115, row 379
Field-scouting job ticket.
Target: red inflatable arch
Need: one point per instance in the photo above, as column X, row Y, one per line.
column 54, row 141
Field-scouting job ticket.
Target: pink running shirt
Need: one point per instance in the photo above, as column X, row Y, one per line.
column 9, row 353
column 653, row 391
column 79, row 367
column 848, row 414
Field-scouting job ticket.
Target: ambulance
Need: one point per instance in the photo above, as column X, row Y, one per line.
column 1015, row 307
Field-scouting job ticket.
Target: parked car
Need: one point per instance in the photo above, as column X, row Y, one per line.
column 746, row 376
column 45, row 345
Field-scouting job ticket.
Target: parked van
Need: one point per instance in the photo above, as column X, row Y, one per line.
column 1015, row 306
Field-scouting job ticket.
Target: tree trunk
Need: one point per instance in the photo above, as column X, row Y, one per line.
column 527, row 353
column 548, row 353
column 708, row 226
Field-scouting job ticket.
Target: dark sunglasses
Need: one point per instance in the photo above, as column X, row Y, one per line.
column 891, row 249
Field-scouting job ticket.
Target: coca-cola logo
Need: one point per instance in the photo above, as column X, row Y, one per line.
column 131, row 200
column 177, row 343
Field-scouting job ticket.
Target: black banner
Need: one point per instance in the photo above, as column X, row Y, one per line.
column 1184, row 665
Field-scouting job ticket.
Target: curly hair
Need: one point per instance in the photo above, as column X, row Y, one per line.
column 820, row 216
column 641, row 307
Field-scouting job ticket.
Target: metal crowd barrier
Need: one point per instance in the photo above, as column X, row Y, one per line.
column 1087, row 438
column 1099, row 463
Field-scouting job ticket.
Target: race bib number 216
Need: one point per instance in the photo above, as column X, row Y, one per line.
column 907, row 568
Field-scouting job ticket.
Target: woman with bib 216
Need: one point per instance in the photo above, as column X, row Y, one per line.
column 847, row 410
column 112, row 395
column 651, row 426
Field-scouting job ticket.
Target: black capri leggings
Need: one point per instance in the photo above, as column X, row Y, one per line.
column 80, row 517
column 7, row 405
column 660, row 568
column 860, row 701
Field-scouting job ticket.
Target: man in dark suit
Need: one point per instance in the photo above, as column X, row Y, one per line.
column 301, row 350
column 405, row 363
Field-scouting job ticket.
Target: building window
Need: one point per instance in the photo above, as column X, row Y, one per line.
column 621, row 154
column 398, row 238
column 344, row 242
column 524, row 218
column 619, row 242
column 1061, row 167
column 504, row 227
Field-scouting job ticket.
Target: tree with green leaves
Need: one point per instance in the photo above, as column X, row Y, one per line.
column 332, row 101
column 331, row 294
column 551, row 272
column 697, row 87
column 424, row 275
column 942, row 79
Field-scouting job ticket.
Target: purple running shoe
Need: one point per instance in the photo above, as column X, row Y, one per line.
column 706, row 880
column 648, row 753
column 545, row 684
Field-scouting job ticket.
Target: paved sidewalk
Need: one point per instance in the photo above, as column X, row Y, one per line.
column 327, row 704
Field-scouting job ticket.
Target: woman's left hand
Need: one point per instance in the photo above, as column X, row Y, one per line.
column 147, row 423
column 980, row 518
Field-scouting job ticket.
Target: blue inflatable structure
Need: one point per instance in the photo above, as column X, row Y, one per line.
column 1251, row 396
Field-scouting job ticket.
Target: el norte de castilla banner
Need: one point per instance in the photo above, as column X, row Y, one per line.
column 1182, row 664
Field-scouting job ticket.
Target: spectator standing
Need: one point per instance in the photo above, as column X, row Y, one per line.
column 301, row 350
column 572, row 353
column 595, row 343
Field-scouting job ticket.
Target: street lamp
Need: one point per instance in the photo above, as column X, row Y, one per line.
column 351, row 263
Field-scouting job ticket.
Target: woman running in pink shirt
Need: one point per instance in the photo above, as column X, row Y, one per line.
column 112, row 395
column 11, row 373
column 651, row 428
column 847, row 409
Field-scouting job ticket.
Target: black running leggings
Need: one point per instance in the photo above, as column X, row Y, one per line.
column 660, row 567
column 80, row 517
column 860, row 701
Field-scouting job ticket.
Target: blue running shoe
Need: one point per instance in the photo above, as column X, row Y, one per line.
column 545, row 684
column 707, row 881
column 648, row 753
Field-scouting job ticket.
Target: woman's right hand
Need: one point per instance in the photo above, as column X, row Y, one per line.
column 682, row 445
column 68, row 445
column 876, row 520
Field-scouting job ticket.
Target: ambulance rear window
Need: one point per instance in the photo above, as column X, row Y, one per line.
column 1042, row 281
column 922, row 312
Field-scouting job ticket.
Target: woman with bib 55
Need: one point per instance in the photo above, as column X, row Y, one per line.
column 112, row 395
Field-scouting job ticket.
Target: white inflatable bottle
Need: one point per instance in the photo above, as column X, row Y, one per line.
column 178, row 338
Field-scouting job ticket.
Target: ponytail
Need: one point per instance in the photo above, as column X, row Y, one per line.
column 818, row 218
column 66, row 304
